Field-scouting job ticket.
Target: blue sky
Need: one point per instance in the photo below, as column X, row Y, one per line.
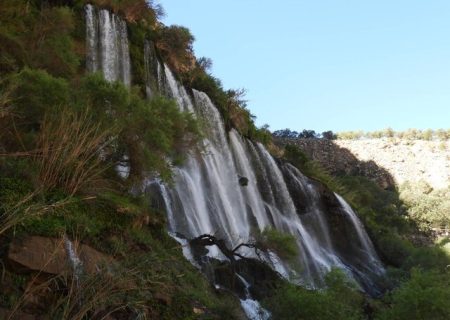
column 328, row 64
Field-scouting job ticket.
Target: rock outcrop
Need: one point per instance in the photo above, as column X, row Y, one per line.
column 387, row 161
column 49, row 255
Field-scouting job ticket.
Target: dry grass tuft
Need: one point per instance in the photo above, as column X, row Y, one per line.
column 87, row 296
column 70, row 147
column 28, row 207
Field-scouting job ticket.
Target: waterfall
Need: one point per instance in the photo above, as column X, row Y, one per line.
column 251, row 307
column 154, row 77
column 366, row 244
column 75, row 262
column 107, row 45
column 207, row 198
column 175, row 90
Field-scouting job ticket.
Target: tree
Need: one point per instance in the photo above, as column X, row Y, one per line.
column 389, row 132
column 427, row 135
column 207, row 240
column 442, row 134
column 329, row 135
column 175, row 44
column 307, row 134
column 285, row 133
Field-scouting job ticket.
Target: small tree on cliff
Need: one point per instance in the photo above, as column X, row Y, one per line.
column 329, row 135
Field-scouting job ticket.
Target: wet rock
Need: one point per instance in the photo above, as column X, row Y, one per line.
column 243, row 181
column 261, row 278
column 50, row 255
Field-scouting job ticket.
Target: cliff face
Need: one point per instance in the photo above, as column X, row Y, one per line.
column 386, row 161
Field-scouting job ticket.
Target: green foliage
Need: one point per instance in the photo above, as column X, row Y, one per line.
column 136, row 37
column 428, row 258
column 424, row 296
column 55, row 52
column 36, row 93
column 428, row 207
column 410, row 134
column 283, row 244
column 339, row 301
column 147, row 133
column 37, row 38
column 175, row 45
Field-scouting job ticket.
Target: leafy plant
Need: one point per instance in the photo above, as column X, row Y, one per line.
column 282, row 244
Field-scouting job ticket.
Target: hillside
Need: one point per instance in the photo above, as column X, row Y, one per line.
column 412, row 161
column 389, row 161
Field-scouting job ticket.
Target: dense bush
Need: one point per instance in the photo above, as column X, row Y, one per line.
column 424, row 296
column 339, row 300
column 38, row 38
column 283, row 244
column 37, row 93
column 428, row 207
column 175, row 44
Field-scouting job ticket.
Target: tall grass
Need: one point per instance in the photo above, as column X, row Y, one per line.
column 26, row 208
column 87, row 296
column 70, row 146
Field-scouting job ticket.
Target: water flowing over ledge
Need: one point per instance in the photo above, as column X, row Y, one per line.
column 107, row 45
column 207, row 198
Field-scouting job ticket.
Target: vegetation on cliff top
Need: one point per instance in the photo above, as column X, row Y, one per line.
column 410, row 134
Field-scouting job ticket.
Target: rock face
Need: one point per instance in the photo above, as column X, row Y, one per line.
column 51, row 256
column 387, row 161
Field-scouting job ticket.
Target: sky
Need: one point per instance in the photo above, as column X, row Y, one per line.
column 328, row 64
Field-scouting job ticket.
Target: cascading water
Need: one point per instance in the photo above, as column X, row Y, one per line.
column 251, row 307
column 107, row 45
column 75, row 262
column 207, row 198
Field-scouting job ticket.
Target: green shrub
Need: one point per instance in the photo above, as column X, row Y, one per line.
column 149, row 131
column 283, row 244
column 424, row 296
column 52, row 45
column 37, row 92
column 339, row 301
column 428, row 258
column 427, row 207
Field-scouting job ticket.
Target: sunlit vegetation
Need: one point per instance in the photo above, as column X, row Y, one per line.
column 428, row 207
column 410, row 134
column 283, row 244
